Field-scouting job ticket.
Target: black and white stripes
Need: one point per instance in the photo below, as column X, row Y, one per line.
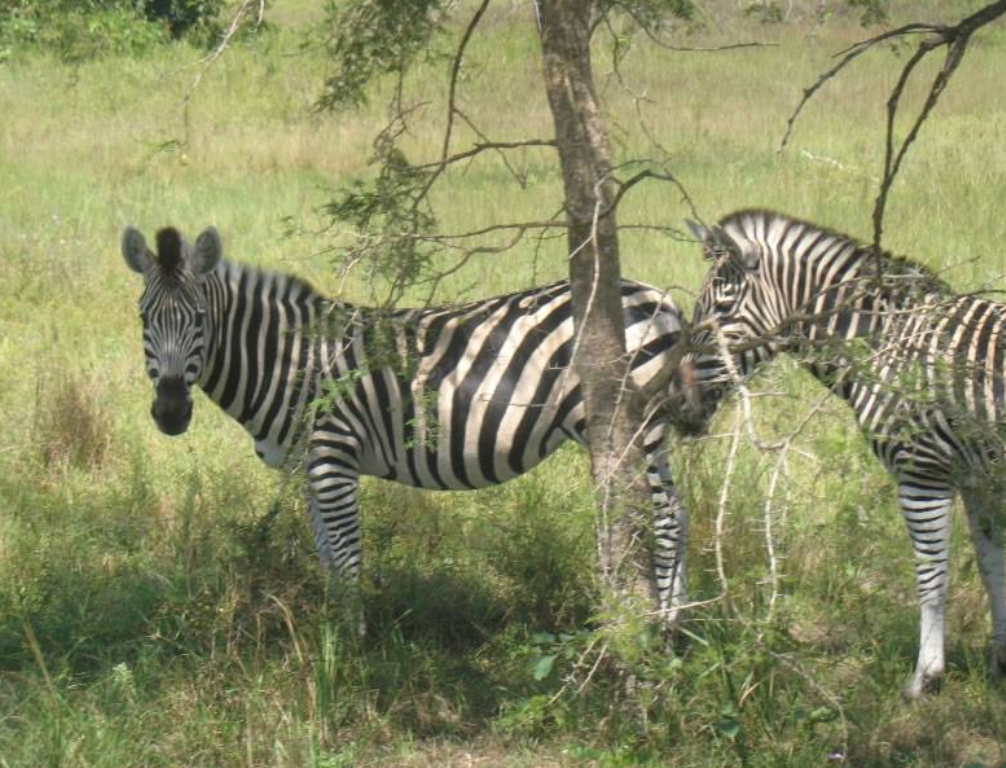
column 923, row 369
column 447, row 398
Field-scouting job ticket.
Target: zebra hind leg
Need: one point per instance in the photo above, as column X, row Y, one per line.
column 926, row 509
column 986, row 535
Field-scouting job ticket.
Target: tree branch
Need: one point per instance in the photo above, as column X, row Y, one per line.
column 956, row 40
column 455, row 71
column 484, row 146
column 849, row 55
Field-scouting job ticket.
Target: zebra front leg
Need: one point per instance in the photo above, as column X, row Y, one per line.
column 670, row 524
column 926, row 509
column 986, row 535
column 335, row 516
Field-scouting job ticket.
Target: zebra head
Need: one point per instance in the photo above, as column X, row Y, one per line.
column 731, row 318
column 173, row 311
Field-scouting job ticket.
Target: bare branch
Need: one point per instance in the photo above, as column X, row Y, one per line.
column 849, row 55
column 956, row 40
column 485, row 146
column 520, row 177
column 459, row 55
column 656, row 40
column 211, row 58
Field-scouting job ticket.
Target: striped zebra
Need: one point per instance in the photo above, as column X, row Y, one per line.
column 454, row 398
column 922, row 367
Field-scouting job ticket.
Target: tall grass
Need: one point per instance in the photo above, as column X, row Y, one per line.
column 159, row 599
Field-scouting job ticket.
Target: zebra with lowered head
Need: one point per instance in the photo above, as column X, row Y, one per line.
column 454, row 397
column 922, row 367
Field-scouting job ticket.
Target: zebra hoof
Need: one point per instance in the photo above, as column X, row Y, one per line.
column 997, row 663
column 918, row 685
column 670, row 620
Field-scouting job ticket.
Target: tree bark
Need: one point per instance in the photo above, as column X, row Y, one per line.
column 614, row 412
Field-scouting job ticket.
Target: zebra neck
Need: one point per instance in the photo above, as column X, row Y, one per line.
column 262, row 358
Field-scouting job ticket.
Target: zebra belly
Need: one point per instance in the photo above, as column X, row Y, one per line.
column 271, row 453
column 423, row 468
column 475, row 453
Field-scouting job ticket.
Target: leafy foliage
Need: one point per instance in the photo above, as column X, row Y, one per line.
column 874, row 11
column 79, row 30
column 76, row 30
column 391, row 216
column 374, row 37
column 654, row 15
column 183, row 16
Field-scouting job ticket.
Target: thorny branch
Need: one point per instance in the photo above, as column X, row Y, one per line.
column 459, row 56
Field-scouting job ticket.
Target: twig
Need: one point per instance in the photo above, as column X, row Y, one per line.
column 848, row 55
column 684, row 48
column 211, row 58
column 721, row 513
column 484, row 146
column 956, row 40
column 455, row 71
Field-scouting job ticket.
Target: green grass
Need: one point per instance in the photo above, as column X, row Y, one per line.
column 152, row 612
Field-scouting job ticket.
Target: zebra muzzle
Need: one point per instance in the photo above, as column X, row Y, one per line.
column 172, row 408
column 687, row 406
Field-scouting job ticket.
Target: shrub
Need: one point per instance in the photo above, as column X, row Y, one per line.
column 79, row 30
column 75, row 30
column 184, row 16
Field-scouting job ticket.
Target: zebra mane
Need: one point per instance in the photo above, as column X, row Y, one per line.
column 170, row 251
column 927, row 279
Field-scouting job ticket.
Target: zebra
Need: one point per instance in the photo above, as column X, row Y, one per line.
column 921, row 366
column 447, row 398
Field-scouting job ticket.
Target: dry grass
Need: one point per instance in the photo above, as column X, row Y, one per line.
column 72, row 428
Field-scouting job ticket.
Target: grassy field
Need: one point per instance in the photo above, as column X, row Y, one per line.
column 153, row 613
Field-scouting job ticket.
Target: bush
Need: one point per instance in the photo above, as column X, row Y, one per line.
column 79, row 30
column 184, row 16
column 75, row 30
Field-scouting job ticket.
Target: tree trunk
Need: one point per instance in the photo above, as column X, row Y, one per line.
column 614, row 412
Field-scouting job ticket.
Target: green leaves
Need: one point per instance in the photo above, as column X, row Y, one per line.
column 543, row 666
column 391, row 216
column 372, row 38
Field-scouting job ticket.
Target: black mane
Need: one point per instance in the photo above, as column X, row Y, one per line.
column 170, row 250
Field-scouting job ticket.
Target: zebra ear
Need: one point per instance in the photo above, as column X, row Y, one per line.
column 701, row 231
column 207, row 252
column 715, row 242
column 134, row 250
column 722, row 243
